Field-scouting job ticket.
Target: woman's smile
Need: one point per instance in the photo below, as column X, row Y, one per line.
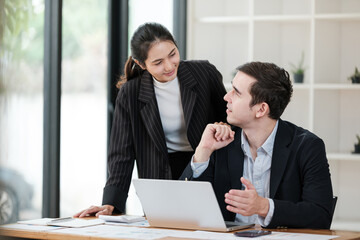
column 170, row 73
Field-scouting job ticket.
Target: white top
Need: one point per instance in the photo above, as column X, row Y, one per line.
column 172, row 115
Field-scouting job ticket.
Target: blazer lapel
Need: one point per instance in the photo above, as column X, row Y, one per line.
column 280, row 157
column 236, row 160
column 150, row 112
column 188, row 96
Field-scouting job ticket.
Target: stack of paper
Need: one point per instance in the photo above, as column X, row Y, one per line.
column 64, row 222
column 122, row 218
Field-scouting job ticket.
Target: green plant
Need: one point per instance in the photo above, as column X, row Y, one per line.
column 14, row 18
column 358, row 139
column 355, row 75
column 299, row 68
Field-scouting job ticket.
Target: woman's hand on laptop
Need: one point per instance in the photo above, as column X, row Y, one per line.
column 96, row 210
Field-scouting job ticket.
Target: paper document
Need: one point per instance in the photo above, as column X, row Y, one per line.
column 115, row 232
column 64, row 222
column 75, row 222
column 122, row 218
column 28, row 227
column 273, row 236
column 144, row 223
column 40, row 221
column 121, row 232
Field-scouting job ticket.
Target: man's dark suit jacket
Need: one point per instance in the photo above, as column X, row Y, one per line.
column 137, row 131
column 300, row 183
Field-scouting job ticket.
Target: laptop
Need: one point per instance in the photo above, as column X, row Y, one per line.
column 182, row 204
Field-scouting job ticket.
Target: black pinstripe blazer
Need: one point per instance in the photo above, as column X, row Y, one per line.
column 137, row 131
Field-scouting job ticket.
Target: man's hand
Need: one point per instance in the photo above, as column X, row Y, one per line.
column 246, row 202
column 215, row 136
column 96, row 210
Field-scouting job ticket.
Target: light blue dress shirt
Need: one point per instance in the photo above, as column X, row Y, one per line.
column 256, row 171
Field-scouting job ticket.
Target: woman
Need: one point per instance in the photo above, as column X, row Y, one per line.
column 162, row 108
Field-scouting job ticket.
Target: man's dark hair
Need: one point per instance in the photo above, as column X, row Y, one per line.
column 273, row 86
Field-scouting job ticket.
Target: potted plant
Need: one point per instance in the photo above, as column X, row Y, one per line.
column 355, row 78
column 357, row 145
column 298, row 70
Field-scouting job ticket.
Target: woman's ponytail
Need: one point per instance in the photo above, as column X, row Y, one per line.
column 131, row 70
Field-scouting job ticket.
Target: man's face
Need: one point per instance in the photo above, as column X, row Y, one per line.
column 239, row 112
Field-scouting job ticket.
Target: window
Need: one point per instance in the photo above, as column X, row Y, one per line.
column 142, row 11
column 21, row 109
column 83, row 105
column 83, row 102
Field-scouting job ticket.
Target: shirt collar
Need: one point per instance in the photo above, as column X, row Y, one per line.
column 267, row 146
column 164, row 84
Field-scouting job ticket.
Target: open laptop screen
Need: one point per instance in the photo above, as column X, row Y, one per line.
column 181, row 204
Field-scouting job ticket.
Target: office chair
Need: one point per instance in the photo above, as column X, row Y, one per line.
column 334, row 205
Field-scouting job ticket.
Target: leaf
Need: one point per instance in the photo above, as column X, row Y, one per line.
column 299, row 68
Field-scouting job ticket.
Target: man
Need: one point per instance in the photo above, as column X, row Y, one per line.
column 264, row 170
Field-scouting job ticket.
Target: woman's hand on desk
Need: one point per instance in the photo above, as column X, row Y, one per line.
column 96, row 210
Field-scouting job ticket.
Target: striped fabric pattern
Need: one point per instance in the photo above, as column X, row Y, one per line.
column 137, row 131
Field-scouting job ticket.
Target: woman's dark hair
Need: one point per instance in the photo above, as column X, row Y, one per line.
column 142, row 40
column 273, row 86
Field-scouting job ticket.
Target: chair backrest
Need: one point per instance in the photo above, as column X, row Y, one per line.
column 334, row 205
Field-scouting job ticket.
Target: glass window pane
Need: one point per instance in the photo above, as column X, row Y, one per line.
column 21, row 109
column 140, row 12
column 83, row 105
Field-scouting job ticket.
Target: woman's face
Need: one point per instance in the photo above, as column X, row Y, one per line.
column 163, row 61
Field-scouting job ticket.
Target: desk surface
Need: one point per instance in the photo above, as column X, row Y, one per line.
column 53, row 235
